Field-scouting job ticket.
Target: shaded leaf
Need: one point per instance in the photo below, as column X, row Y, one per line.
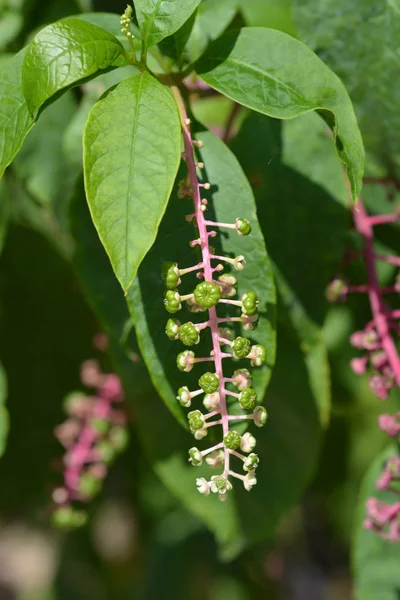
column 160, row 18
column 62, row 55
column 132, row 147
column 4, row 420
column 230, row 196
column 274, row 74
column 276, row 14
column 376, row 562
column 10, row 25
column 15, row 120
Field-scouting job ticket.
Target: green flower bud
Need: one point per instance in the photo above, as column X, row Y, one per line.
column 243, row 226
column 195, row 457
column 170, row 274
column 251, row 462
column 207, row 294
column 241, row 347
column 119, row 438
column 89, row 486
column 172, row 301
column 209, row 383
column 188, row 334
column 105, row 451
column 66, row 517
column 196, row 420
column 258, row 355
column 184, row 361
column 101, row 426
column 250, row 304
column 248, row 399
column 232, row 440
column 184, row 397
column 171, row 328
column 220, row 484
column 260, row 416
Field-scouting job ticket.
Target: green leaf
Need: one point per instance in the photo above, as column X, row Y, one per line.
column 132, row 148
column 4, row 212
column 276, row 14
column 62, row 55
column 160, row 18
column 230, row 197
column 15, row 120
column 4, row 420
column 376, row 562
column 41, row 162
column 304, row 222
column 272, row 73
column 360, row 42
column 10, row 25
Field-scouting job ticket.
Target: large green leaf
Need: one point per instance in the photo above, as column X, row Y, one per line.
column 15, row 120
column 160, row 18
column 274, row 74
column 4, row 421
column 62, row 55
column 288, row 444
column 376, row 562
column 231, row 197
column 132, row 147
column 360, row 41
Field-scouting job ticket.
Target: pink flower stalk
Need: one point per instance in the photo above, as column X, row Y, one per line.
column 93, row 433
column 379, row 336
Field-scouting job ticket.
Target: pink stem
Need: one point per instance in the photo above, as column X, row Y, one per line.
column 375, row 293
column 206, row 260
column 382, row 219
column 392, row 260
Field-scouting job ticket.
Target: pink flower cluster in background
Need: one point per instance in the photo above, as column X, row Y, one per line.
column 93, row 434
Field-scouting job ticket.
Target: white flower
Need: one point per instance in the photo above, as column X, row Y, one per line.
column 242, row 379
column 195, row 457
column 220, row 484
column 250, row 480
column 251, row 462
column 260, row 416
column 200, row 433
column 239, row 263
column 203, row 486
column 211, row 401
column 215, row 459
column 248, row 442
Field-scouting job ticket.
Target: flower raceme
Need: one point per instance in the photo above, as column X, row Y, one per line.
column 93, row 434
column 212, row 292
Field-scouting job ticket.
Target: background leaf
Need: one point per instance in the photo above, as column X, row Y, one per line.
column 63, row 54
column 230, row 196
column 132, row 147
column 4, row 422
column 376, row 562
column 276, row 14
column 274, row 74
column 15, row 120
column 160, row 18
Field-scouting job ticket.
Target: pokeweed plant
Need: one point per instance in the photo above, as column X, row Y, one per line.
column 132, row 150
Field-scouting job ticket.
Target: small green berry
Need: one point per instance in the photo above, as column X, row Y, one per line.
column 101, row 426
column 171, row 329
column 250, row 304
column 184, row 361
column 188, row 334
column 172, row 301
column 195, row 457
column 119, row 438
column 241, row 347
column 196, row 420
column 209, row 383
column 258, row 355
column 66, row 517
column 232, row 440
column 243, row 226
column 170, row 274
column 89, row 486
column 260, row 416
column 184, row 396
column 207, row 294
column 248, row 399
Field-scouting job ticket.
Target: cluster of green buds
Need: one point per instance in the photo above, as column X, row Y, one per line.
column 216, row 289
